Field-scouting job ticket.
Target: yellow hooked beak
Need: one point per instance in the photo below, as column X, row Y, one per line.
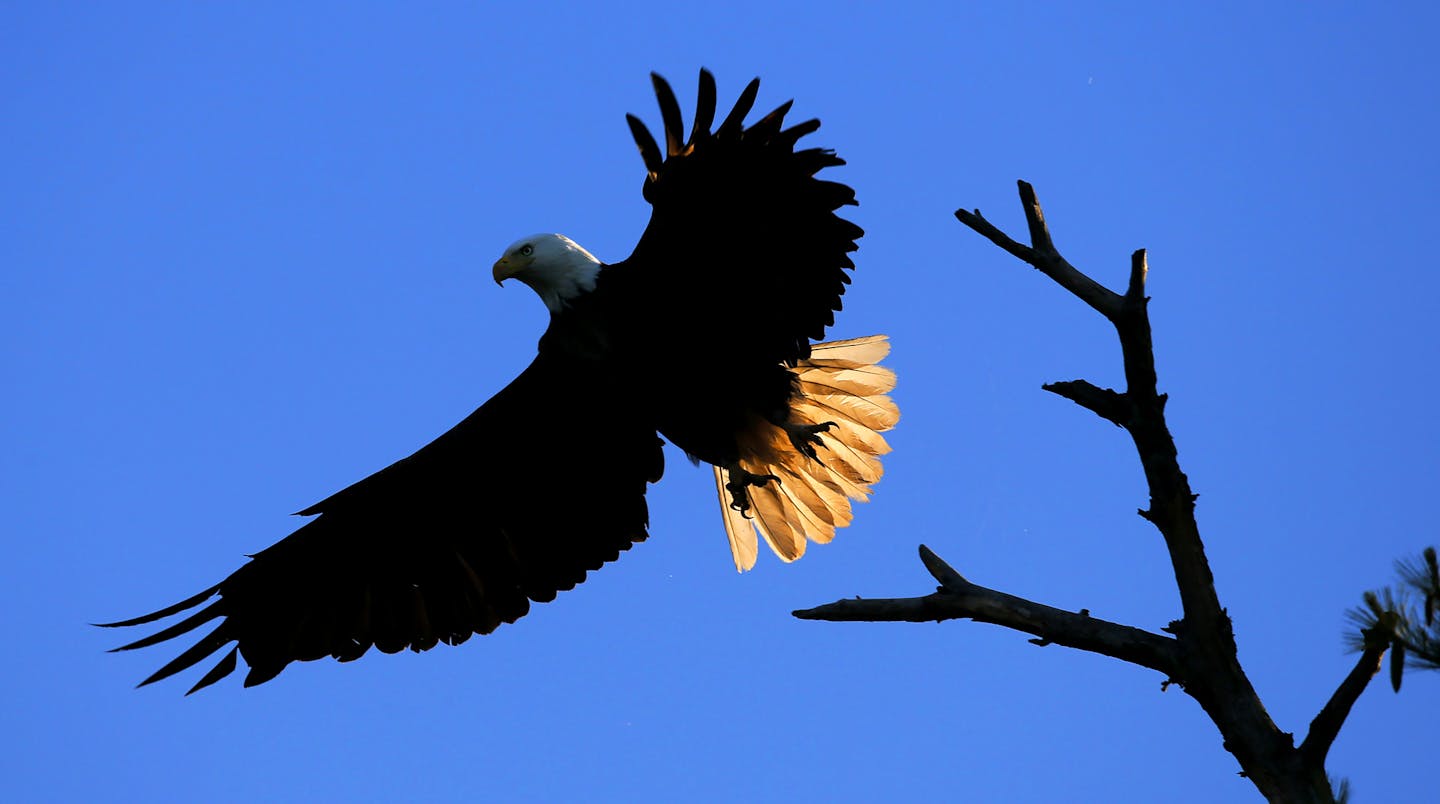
column 504, row 269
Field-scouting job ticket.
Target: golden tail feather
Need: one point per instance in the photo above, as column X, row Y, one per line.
column 842, row 382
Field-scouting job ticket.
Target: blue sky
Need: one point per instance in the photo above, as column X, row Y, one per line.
column 246, row 261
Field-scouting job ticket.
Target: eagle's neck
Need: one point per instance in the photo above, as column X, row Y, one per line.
column 562, row 275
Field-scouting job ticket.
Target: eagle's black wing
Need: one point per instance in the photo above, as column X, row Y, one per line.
column 541, row 484
column 743, row 242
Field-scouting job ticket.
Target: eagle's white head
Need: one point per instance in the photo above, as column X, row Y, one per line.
column 553, row 265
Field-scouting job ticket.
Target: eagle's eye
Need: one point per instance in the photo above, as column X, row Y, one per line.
column 526, row 250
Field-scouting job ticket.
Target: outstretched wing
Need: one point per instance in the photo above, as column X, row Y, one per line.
column 743, row 241
column 543, row 483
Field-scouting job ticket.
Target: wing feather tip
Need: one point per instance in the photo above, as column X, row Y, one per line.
column 188, row 603
column 669, row 113
column 735, row 120
column 222, row 668
column 704, row 107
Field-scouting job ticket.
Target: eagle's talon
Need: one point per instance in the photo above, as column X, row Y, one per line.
column 806, row 437
column 738, row 480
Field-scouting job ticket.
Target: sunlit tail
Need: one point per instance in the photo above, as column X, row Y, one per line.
column 841, row 383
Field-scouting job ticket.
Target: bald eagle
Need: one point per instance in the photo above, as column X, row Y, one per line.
column 702, row 335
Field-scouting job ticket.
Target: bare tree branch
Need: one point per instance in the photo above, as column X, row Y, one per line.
column 958, row 598
column 1139, row 271
column 1105, row 403
column 1042, row 254
column 1326, row 725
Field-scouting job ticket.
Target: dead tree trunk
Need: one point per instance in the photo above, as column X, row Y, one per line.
column 1199, row 653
